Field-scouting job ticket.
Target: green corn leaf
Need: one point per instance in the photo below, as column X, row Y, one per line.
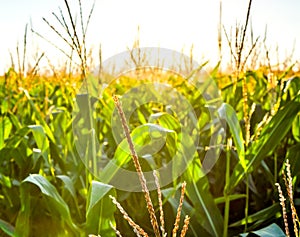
column 269, row 231
column 260, row 216
column 100, row 210
column 40, row 139
column 7, row 228
column 5, row 129
column 148, row 139
column 197, row 190
column 14, row 120
column 232, row 197
column 5, row 181
column 227, row 113
column 68, row 184
column 42, row 143
column 165, row 120
column 38, row 115
column 293, row 154
column 53, row 204
column 270, row 137
column 296, row 128
column 4, row 106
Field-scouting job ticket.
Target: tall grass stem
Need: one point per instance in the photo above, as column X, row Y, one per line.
column 226, row 194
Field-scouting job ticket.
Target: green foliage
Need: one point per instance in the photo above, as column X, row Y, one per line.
column 207, row 213
column 227, row 113
column 100, row 210
column 269, row 231
column 271, row 135
column 58, row 219
column 46, row 190
column 7, row 228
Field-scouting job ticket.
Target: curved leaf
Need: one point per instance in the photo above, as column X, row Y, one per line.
column 7, row 228
column 270, row 137
column 100, row 210
column 5, row 129
column 39, row 117
column 55, row 205
column 269, row 231
column 40, row 139
column 260, row 216
column 147, row 138
column 227, row 113
column 197, row 190
column 68, row 184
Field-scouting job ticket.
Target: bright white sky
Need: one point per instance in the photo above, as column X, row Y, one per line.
column 173, row 24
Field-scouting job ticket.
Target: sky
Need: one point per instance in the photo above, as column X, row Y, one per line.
column 172, row 24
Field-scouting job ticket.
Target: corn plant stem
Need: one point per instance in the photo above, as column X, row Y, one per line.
column 93, row 138
column 275, row 168
column 92, row 134
column 245, row 111
column 92, row 130
column 138, row 168
column 247, row 202
column 46, row 99
column 226, row 195
column 94, row 151
column 100, row 219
